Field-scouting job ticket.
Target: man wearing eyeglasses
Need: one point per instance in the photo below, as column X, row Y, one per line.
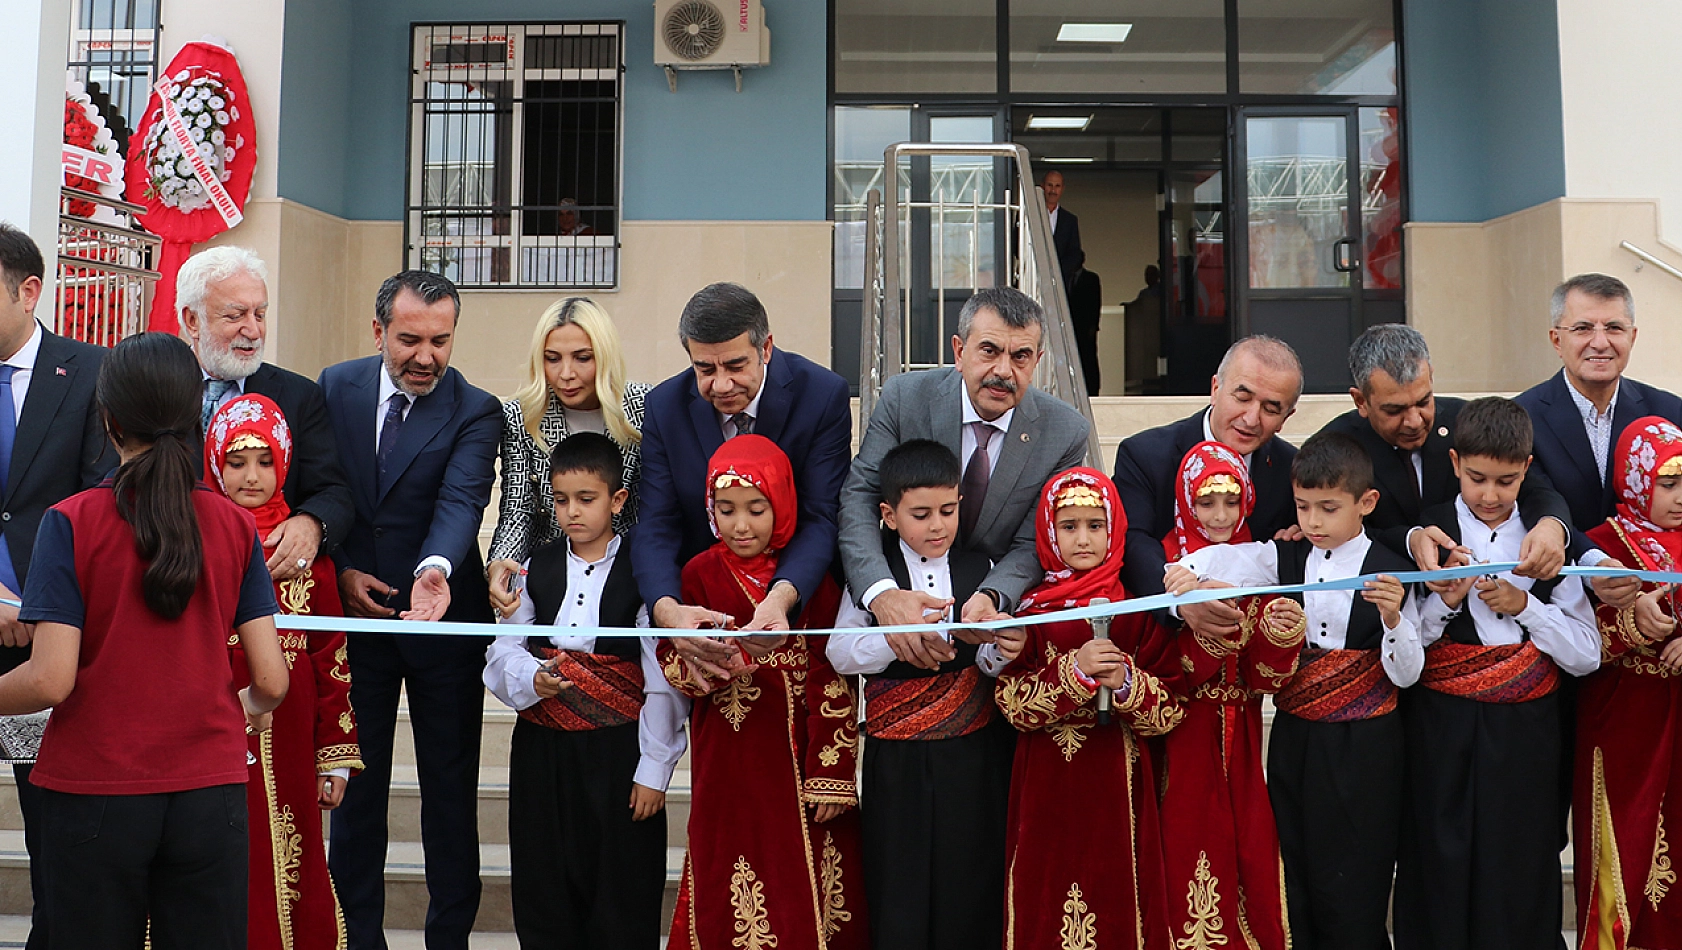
column 1580, row 411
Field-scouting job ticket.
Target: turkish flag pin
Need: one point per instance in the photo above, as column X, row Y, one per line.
column 61, row 371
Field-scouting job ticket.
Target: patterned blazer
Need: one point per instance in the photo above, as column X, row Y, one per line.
column 526, row 517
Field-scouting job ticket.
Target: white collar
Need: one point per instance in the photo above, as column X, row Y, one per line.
column 922, row 563
column 1586, row 407
column 1209, row 434
column 1002, row 423
column 1353, row 550
column 575, row 560
column 24, row 358
column 1464, row 513
column 388, row 388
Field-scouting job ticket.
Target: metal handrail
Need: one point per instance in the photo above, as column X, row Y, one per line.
column 1033, row 267
column 1661, row 265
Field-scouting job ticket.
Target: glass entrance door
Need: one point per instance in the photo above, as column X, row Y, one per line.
column 1302, row 236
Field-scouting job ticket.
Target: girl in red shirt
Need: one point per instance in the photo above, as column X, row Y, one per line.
column 134, row 590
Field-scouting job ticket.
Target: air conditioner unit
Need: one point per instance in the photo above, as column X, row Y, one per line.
column 710, row 34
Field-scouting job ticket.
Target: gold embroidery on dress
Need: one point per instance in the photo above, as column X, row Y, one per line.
column 285, row 843
column 233, row 639
column 845, row 739
column 1068, row 737
column 1278, row 676
column 295, row 594
column 1026, row 700
column 345, row 722
column 341, row 665
column 837, row 689
column 733, row 700
column 1286, row 639
column 747, row 893
column 834, row 898
column 1203, row 905
column 1161, row 717
column 1659, row 876
column 1080, row 924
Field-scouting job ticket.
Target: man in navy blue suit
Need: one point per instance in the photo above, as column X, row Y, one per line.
column 419, row 445
column 738, row 383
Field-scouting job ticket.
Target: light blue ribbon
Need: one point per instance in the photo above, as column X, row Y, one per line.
column 314, row 623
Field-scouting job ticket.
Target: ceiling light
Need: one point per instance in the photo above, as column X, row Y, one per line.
column 1067, row 160
column 1094, row 32
column 1075, row 123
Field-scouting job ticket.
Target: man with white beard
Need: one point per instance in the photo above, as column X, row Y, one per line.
column 224, row 302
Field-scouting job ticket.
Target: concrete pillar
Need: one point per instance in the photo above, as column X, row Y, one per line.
column 33, row 52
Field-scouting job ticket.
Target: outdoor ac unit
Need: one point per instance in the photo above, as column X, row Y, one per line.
column 710, row 34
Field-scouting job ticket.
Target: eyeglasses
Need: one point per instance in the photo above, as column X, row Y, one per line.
column 1584, row 331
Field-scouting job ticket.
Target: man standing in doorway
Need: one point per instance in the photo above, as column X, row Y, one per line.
column 1065, row 230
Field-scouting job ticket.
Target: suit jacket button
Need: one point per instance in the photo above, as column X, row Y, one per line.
column 5, row 516
column 379, row 532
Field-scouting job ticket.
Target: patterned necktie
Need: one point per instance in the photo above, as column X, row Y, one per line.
column 743, row 423
column 392, row 426
column 214, row 390
column 974, row 486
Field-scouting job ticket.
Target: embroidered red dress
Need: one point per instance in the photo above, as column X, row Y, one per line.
column 292, row 904
column 1084, row 858
column 1629, row 723
column 1220, row 848
column 765, row 748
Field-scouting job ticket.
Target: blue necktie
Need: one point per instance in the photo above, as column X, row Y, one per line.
column 389, row 429
column 8, row 435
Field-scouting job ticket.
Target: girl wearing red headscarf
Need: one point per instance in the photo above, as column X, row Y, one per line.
column 1217, row 821
column 1084, row 859
column 299, row 766
column 1629, row 714
column 774, row 858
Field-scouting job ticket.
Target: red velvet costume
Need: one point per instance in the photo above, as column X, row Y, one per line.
column 292, row 903
column 1084, row 858
column 1629, row 721
column 765, row 748
column 1220, row 848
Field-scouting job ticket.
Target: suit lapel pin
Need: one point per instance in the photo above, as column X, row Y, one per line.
column 1442, row 431
column 61, row 371
column 1025, row 437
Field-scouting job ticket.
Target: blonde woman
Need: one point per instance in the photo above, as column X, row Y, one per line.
column 577, row 384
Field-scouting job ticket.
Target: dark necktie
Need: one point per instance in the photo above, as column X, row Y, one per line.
column 8, row 434
column 393, row 425
column 743, row 423
column 214, row 390
column 1410, row 493
column 974, row 486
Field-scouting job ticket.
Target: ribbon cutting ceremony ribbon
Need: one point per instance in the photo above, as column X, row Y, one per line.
column 309, row 622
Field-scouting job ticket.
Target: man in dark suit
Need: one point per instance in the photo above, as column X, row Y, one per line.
column 1065, row 230
column 1252, row 394
column 1581, row 410
column 224, row 300
column 419, row 443
column 52, row 445
column 738, row 383
column 1408, row 430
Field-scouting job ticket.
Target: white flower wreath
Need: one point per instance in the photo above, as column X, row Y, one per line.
column 207, row 108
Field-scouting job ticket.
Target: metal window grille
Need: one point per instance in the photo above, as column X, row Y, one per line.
column 514, row 153
column 114, row 52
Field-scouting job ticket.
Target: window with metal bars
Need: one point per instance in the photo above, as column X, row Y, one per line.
column 113, row 51
column 514, row 153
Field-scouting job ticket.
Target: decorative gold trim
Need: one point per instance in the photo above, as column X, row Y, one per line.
column 1080, row 923
column 1203, row 906
column 285, row 843
column 1067, row 675
column 829, row 791
column 295, row 593
column 1660, row 876
column 846, row 739
column 1608, row 880
column 1162, row 716
column 747, row 896
column 1286, row 639
column 1068, row 737
column 341, row 662
column 346, row 723
column 732, row 701
column 834, row 896
column 1026, row 700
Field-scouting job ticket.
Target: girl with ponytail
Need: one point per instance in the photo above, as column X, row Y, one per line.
column 136, row 590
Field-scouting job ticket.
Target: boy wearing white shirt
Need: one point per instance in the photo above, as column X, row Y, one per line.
column 937, row 754
column 1480, row 858
column 1335, row 758
column 600, row 730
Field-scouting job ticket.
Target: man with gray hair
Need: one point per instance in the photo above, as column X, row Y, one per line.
column 1408, row 431
column 1252, row 393
column 1581, row 410
column 223, row 298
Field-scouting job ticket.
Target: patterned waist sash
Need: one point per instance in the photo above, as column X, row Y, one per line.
column 606, row 691
column 1511, row 673
column 1338, row 686
column 944, row 706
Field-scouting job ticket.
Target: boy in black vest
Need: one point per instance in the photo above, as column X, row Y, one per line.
column 1479, row 863
column 937, row 755
column 599, row 731
column 1334, row 760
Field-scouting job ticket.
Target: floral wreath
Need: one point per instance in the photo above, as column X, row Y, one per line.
column 207, row 106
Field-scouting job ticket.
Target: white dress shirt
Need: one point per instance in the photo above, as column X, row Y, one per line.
column 510, row 667
column 869, row 653
column 1597, row 425
column 584, row 420
column 1564, row 628
column 1256, row 564
column 23, row 368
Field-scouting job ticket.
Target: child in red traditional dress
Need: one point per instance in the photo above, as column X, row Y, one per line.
column 301, row 765
column 1084, row 858
column 1629, row 713
column 1217, row 822
column 774, row 857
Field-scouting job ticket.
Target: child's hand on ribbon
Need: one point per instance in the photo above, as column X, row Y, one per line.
column 1386, row 593
column 1178, row 579
column 1502, row 597
column 1651, row 620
